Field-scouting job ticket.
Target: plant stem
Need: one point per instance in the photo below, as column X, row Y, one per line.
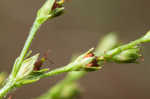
column 58, row 71
column 72, row 77
column 10, row 83
column 27, row 44
column 42, row 15
column 56, row 91
column 7, row 88
column 124, row 47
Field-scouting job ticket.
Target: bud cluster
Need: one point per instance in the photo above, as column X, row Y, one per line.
column 50, row 9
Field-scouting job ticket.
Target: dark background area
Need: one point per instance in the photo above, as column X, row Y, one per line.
column 79, row 29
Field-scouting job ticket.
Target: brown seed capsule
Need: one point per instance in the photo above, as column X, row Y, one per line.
column 38, row 64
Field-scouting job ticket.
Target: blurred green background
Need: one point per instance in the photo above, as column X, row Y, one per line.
column 79, row 29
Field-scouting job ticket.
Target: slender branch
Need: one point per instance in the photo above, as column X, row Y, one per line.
column 128, row 46
column 9, row 86
column 43, row 14
column 58, row 91
column 28, row 42
column 23, row 69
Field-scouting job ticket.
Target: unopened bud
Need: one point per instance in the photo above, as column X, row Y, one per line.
column 50, row 9
column 27, row 67
column 87, row 61
column 127, row 56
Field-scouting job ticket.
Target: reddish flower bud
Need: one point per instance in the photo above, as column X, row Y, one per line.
column 94, row 62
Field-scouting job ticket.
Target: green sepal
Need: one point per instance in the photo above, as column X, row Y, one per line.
column 27, row 67
column 57, row 12
column 26, row 81
column 93, row 68
column 42, row 70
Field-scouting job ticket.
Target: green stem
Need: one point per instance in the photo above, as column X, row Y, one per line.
column 7, row 88
column 124, row 47
column 57, row 71
column 9, row 85
column 42, row 15
column 74, row 76
column 56, row 91
column 28, row 42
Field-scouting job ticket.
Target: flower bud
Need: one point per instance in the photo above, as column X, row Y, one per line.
column 127, row 56
column 27, row 67
column 87, row 61
column 50, row 9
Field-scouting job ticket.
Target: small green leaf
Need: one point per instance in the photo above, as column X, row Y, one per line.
column 26, row 81
column 58, row 12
